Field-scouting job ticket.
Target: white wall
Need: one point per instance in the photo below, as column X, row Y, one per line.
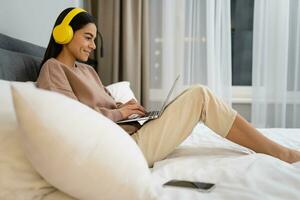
column 32, row 20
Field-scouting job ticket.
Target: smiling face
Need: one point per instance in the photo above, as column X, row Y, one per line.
column 82, row 43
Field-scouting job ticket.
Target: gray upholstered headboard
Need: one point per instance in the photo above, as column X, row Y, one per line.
column 19, row 60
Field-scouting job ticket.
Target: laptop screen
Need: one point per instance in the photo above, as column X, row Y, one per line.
column 169, row 94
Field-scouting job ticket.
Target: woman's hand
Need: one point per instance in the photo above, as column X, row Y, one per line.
column 131, row 107
column 131, row 101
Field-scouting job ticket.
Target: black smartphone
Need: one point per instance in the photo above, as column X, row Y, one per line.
column 201, row 186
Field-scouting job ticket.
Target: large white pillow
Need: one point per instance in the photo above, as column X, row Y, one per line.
column 121, row 91
column 18, row 179
column 78, row 150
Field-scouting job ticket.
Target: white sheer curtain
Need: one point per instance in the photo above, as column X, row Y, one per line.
column 276, row 64
column 191, row 38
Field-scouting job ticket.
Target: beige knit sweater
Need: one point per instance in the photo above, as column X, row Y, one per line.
column 81, row 83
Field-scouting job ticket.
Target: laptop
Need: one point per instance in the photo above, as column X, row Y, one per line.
column 152, row 114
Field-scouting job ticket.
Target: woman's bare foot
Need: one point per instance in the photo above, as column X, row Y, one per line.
column 294, row 156
column 289, row 155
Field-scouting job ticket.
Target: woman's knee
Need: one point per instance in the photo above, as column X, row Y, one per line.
column 198, row 91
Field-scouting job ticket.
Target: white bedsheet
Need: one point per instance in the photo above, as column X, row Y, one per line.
column 239, row 173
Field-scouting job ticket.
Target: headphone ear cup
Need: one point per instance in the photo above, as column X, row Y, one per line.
column 62, row 34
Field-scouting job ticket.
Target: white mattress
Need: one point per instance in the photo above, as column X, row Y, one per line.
column 239, row 173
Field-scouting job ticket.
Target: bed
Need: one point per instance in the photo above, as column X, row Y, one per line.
column 238, row 172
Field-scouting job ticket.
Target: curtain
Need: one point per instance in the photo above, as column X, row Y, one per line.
column 124, row 26
column 276, row 66
column 191, row 38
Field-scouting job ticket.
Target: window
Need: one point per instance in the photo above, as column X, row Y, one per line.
column 242, row 37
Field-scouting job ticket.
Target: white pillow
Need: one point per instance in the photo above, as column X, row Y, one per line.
column 18, row 179
column 78, row 150
column 121, row 91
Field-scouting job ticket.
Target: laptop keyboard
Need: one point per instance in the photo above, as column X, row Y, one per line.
column 152, row 113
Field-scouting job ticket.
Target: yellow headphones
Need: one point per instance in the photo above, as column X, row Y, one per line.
column 63, row 33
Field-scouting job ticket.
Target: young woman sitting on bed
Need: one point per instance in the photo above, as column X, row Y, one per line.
column 157, row 138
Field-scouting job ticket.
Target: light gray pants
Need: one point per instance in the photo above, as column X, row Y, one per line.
column 159, row 137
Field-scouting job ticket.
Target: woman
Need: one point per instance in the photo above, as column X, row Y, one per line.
column 157, row 138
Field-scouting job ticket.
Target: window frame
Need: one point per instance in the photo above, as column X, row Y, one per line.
column 241, row 94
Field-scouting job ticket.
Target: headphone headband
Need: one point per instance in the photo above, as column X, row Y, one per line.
column 68, row 18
